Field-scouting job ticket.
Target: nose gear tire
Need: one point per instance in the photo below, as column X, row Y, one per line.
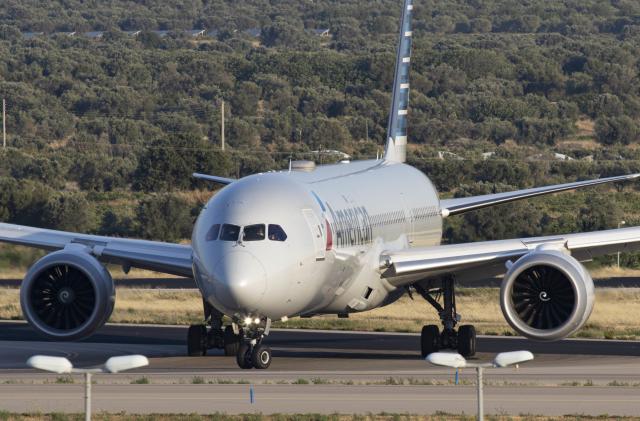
column 197, row 341
column 243, row 357
column 261, row 356
column 429, row 340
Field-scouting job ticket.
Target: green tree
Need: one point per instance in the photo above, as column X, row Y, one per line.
column 164, row 217
column 610, row 130
column 69, row 212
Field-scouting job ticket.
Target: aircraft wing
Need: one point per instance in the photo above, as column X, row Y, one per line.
column 213, row 178
column 484, row 259
column 466, row 204
column 168, row 258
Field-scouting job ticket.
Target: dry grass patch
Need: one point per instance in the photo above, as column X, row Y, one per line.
column 181, row 307
column 614, row 315
column 586, row 127
column 10, row 304
column 614, row 272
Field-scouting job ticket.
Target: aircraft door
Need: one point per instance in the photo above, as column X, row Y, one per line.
column 316, row 232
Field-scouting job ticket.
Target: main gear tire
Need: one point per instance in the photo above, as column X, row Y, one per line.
column 231, row 342
column 467, row 341
column 429, row 340
column 197, row 341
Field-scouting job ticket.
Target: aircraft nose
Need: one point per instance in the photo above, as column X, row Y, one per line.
column 241, row 280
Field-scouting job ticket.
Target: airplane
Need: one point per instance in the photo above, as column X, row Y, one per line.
column 330, row 239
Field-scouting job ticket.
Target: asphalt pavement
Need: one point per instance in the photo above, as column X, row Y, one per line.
column 321, row 371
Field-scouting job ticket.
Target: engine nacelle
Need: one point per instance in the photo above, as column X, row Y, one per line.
column 67, row 295
column 547, row 295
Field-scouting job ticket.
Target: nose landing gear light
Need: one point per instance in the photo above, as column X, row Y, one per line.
column 252, row 353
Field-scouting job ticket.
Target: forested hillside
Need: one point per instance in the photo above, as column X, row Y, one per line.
column 103, row 133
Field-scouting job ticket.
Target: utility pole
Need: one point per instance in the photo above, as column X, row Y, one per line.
column 4, row 123
column 366, row 128
column 222, row 125
column 621, row 223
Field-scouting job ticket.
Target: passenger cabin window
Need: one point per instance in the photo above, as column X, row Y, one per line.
column 253, row 233
column 276, row 233
column 230, row 232
column 212, row 234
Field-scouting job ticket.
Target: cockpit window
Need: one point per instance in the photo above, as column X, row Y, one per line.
column 230, row 232
column 212, row 234
column 276, row 233
column 253, row 232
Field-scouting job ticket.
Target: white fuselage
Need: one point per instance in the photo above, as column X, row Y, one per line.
column 337, row 220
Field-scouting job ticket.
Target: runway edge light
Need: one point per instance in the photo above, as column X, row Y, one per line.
column 126, row 362
column 447, row 359
column 505, row 359
column 59, row 365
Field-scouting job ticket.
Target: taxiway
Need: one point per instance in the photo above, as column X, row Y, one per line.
column 321, row 371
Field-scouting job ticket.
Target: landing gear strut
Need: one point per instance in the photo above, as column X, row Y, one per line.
column 431, row 339
column 200, row 339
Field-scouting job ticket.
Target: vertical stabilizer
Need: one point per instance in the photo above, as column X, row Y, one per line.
column 396, row 149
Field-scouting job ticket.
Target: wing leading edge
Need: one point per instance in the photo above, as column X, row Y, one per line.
column 174, row 259
column 466, row 204
column 484, row 259
column 213, row 178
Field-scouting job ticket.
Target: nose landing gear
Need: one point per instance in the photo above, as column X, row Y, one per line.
column 431, row 339
column 252, row 353
column 253, row 356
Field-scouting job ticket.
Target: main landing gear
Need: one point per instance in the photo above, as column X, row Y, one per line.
column 431, row 339
column 200, row 339
column 246, row 344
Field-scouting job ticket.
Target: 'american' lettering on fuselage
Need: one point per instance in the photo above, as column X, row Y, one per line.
column 352, row 226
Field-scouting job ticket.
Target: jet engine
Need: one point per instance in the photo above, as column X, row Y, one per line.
column 67, row 295
column 547, row 295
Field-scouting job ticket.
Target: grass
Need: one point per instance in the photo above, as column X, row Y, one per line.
column 141, row 380
column 614, row 315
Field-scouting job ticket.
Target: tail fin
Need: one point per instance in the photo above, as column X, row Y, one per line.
column 396, row 149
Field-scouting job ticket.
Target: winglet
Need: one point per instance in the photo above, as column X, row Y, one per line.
column 213, row 178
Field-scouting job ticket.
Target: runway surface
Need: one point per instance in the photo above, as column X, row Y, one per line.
column 327, row 399
column 338, row 372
